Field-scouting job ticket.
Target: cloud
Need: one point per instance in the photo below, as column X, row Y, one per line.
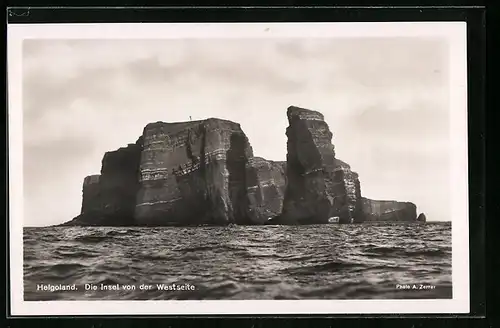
column 375, row 62
column 383, row 99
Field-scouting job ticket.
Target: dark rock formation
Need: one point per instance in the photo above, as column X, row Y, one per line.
column 191, row 173
column 91, row 194
column 204, row 172
column 388, row 210
column 352, row 191
column 318, row 185
column 109, row 198
column 197, row 172
column 266, row 181
column 421, row 218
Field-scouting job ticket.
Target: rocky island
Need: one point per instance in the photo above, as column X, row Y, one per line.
column 204, row 173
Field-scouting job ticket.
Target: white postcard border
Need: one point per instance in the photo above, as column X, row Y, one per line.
column 454, row 32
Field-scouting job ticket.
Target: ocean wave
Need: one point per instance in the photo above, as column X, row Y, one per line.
column 92, row 238
column 257, row 262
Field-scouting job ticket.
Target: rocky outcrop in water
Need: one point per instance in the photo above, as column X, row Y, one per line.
column 421, row 218
column 388, row 210
column 352, row 187
column 204, row 172
column 189, row 173
column 193, row 173
column 266, row 182
column 319, row 186
column 109, row 198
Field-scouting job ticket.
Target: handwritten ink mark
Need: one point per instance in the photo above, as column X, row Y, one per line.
column 19, row 12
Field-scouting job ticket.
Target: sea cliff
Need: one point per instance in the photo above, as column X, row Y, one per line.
column 319, row 186
column 204, row 173
column 191, row 173
column 386, row 210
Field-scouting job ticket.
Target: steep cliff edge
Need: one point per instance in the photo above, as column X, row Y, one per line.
column 388, row 210
column 318, row 185
column 352, row 186
column 189, row 173
column 109, row 198
column 266, row 182
column 193, row 173
column 204, row 173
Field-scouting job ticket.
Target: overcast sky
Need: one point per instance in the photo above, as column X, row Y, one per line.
column 385, row 100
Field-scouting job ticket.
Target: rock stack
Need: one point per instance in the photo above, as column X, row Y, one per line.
column 319, row 186
column 204, row 173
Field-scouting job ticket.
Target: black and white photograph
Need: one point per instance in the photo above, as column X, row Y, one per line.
column 238, row 168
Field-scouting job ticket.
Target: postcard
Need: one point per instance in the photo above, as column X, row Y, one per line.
column 243, row 168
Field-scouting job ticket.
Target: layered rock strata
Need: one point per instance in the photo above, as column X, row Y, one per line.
column 266, row 181
column 204, row 172
column 388, row 210
column 352, row 188
column 191, row 173
column 319, row 186
column 109, row 198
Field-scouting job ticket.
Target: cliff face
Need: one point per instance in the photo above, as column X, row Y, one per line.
column 189, row 173
column 204, row 172
column 388, row 210
column 318, row 185
column 109, row 198
column 118, row 180
column 266, row 181
column 352, row 191
column 193, row 173
column 91, row 201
